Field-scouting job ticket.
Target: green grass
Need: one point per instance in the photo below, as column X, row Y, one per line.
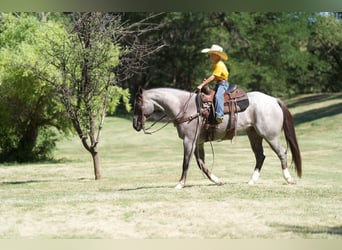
column 136, row 196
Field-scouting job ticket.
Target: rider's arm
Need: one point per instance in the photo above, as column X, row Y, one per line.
column 206, row 82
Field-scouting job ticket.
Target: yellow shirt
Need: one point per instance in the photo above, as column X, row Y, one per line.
column 220, row 71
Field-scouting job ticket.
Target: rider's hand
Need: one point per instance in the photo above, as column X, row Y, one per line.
column 198, row 89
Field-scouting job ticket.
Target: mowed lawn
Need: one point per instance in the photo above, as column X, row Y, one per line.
column 136, row 196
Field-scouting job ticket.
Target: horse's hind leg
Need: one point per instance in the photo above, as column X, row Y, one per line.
column 281, row 153
column 200, row 158
column 256, row 144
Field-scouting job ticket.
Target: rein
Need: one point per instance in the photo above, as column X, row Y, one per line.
column 175, row 121
column 147, row 132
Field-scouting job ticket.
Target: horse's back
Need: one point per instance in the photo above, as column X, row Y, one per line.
column 266, row 112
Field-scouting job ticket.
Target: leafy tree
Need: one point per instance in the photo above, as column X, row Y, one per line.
column 178, row 62
column 325, row 45
column 83, row 62
column 28, row 107
column 185, row 34
column 283, row 53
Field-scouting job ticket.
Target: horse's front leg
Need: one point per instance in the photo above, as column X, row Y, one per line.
column 200, row 158
column 189, row 147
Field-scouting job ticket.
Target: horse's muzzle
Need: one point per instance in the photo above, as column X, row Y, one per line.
column 137, row 123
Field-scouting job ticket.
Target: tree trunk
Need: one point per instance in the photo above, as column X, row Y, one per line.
column 92, row 149
column 96, row 161
column 24, row 151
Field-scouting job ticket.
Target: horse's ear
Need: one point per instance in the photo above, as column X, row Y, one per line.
column 140, row 90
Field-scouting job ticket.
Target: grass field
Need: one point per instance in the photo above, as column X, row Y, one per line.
column 136, row 196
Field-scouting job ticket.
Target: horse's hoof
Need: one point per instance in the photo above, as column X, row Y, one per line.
column 254, row 178
column 220, row 182
column 216, row 180
column 179, row 186
column 288, row 177
column 291, row 181
column 251, row 182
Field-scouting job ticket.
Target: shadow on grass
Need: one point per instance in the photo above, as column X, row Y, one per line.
column 314, row 99
column 315, row 114
column 21, row 182
column 38, row 162
column 337, row 230
column 318, row 113
column 166, row 186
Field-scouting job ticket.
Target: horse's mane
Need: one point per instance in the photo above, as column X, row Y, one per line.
column 169, row 91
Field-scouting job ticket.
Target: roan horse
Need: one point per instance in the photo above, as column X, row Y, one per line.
column 265, row 118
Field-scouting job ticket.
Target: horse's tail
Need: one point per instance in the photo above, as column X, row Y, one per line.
column 291, row 138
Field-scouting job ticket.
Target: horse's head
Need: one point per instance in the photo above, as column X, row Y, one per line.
column 142, row 110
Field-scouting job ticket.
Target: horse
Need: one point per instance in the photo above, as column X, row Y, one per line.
column 265, row 118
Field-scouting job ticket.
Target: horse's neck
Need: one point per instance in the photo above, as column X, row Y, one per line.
column 172, row 101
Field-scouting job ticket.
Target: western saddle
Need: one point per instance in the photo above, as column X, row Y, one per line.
column 235, row 100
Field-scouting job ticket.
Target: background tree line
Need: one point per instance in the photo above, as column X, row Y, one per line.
column 278, row 53
column 98, row 61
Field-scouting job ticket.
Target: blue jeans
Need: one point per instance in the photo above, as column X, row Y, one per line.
column 221, row 88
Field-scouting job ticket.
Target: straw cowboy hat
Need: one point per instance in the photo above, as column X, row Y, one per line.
column 217, row 50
